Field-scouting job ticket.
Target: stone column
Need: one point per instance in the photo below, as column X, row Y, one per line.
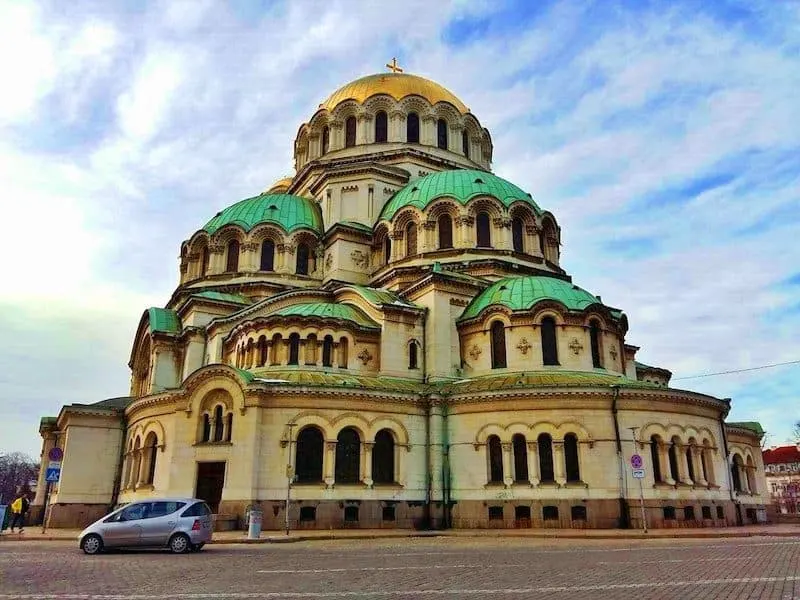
column 336, row 136
column 427, row 134
column 397, row 239
column 138, row 470
column 663, row 457
column 397, row 129
column 683, row 465
column 216, row 258
column 329, row 462
column 428, row 237
column 533, row 463
column 558, row 462
column 365, row 134
column 454, row 139
column 367, row 470
column 48, row 444
column 502, row 230
column 464, row 232
column 533, row 244
column 437, row 456
column 507, row 463
column 697, row 462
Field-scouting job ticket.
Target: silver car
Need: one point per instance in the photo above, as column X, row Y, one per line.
column 180, row 524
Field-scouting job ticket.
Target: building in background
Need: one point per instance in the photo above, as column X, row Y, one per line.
column 782, row 466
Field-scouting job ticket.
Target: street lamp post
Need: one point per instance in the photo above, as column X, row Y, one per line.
column 641, row 490
column 289, row 474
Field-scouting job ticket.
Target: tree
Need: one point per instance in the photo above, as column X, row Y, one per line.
column 796, row 432
column 17, row 472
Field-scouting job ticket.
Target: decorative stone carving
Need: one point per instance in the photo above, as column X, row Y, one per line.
column 360, row 259
column 475, row 352
column 388, row 191
column 350, row 188
column 524, row 346
column 458, row 302
column 364, row 356
column 216, row 249
column 429, row 225
column 613, row 352
column 329, row 262
column 575, row 346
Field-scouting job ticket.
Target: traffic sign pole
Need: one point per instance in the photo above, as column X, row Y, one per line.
column 641, row 501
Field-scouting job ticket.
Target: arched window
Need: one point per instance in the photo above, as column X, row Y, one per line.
column 204, row 261
column 412, row 128
column 484, row 234
column 445, row 224
column 690, row 463
column 750, row 474
column 736, row 473
column 206, row 434
column 571, row 457
column 412, row 355
column 308, row 455
column 326, row 139
column 673, row 460
column 381, row 127
column 441, row 134
column 517, row 234
column 302, row 260
column 343, row 353
column 594, row 335
column 520, row 457
column 350, row 132
column 232, row 263
column 411, row 239
column 549, row 347
column 311, row 349
column 262, row 350
column 348, row 456
column 654, row 443
column 228, row 427
column 546, row 473
column 465, row 143
column 294, row 348
column 383, row 457
column 218, row 424
column 498, row 334
column 151, row 446
column 495, row 459
column 327, row 351
column 277, row 340
column 387, row 249
column 267, row 255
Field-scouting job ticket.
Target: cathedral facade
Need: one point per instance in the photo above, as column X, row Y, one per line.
column 389, row 338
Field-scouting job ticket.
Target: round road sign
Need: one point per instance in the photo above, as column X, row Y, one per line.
column 55, row 454
column 636, row 461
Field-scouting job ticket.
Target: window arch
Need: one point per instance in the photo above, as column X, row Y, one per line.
column 571, row 458
column 343, row 353
column 412, row 128
column 350, row 132
column 549, row 346
column 261, row 346
column 654, row 458
column 517, row 238
column 411, row 239
column 204, row 261
column 445, row 226
column 302, row 259
column 326, row 139
column 205, row 435
column 277, row 340
column 483, row 231
column 219, row 424
column 383, row 457
column 736, row 472
column 387, row 249
column 495, row 459
column 151, row 447
column 348, row 456
column 594, row 335
column 520, row 447
column 294, row 349
column 673, row 460
column 267, row 256
column 413, row 350
column 545, row 443
column 465, row 143
column 327, row 351
column 308, row 455
column 381, row 126
column 441, row 134
column 498, row 335
column 232, row 262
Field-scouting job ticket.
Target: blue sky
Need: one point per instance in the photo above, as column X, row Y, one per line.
column 664, row 136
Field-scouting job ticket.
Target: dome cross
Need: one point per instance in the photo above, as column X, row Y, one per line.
column 393, row 67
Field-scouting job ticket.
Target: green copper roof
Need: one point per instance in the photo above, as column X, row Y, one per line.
column 378, row 296
column 753, row 426
column 164, row 320
column 537, row 379
column 285, row 210
column 320, row 310
column 521, row 293
column 311, row 378
column 222, row 297
column 461, row 184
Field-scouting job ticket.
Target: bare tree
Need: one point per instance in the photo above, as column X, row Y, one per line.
column 796, row 432
column 17, row 472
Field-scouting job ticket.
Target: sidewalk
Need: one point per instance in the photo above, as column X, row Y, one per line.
column 34, row 534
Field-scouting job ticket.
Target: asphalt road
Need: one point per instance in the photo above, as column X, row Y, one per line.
column 464, row 568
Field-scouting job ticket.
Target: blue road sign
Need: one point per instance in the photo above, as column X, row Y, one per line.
column 53, row 474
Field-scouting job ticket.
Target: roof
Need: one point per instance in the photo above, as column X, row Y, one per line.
column 223, row 297
column 303, row 377
column 396, row 85
column 522, row 293
column 112, row 403
column 380, row 297
column 753, row 426
column 322, row 310
column 163, row 320
column 285, row 210
column 548, row 378
column 781, row 455
column 462, row 185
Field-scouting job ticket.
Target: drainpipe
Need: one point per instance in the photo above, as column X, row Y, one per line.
column 445, row 468
column 739, row 520
column 120, row 463
column 624, row 512
column 428, row 432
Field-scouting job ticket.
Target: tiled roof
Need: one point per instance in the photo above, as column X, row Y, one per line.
column 164, row 320
column 321, row 310
column 753, row 426
column 285, row 210
column 781, row 455
column 223, row 297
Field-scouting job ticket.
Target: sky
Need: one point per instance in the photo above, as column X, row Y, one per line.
column 664, row 137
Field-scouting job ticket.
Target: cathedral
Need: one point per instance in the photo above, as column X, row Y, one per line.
column 388, row 338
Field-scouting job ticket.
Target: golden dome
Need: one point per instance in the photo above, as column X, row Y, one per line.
column 396, row 85
column 279, row 186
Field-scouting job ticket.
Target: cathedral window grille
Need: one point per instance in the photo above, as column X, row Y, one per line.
column 549, row 347
column 327, row 351
column 294, row 348
column 267, row 255
column 517, row 238
column 206, row 434
column 387, row 250
column 673, row 460
column 228, row 427
column 348, row 456
column 219, row 425
column 232, row 263
column 594, row 335
column 578, row 513
column 465, row 143
column 302, row 259
column 383, row 457
column 308, row 455
column 308, row 514
column 350, row 132
column 441, row 134
column 498, row 335
column 262, row 351
column 204, row 261
column 484, row 234
column 343, row 353
column 520, row 446
column 381, row 126
column 654, row 449
column 495, row 513
column 412, row 128
column 522, row 513
column 277, row 340
column 550, row 513
column 545, row 443
column 445, row 224
column 412, row 355
column 326, row 139
column 411, row 240
column 495, row 459
column 669, row 513
column 571, row 458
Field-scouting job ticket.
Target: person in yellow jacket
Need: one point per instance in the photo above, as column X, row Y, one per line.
column 19, row 508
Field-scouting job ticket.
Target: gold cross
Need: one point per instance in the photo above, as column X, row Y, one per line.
column 392, row 66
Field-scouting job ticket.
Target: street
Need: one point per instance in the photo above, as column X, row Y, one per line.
column 468, row 568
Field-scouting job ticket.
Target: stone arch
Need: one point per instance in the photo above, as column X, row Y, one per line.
column 487, row 430
column 488, row 204
column 353, row 420
column 443, row 206
column 407, row 215
column 199, row 240
column 309, row 419
column 395, row 426
column 548, row 427
column 211, row 377
column 267, row 231
column 417, row 105
column 228, row 233
column 576, row 428
column 346, row 109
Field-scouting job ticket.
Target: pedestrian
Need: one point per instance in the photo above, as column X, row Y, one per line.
column 19, row 508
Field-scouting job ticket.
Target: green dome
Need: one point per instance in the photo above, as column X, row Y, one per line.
column 285, row 210
column 521, row 293
column 461, row 184
column 321, row 310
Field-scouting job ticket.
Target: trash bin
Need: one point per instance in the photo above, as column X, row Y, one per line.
column 254, row 514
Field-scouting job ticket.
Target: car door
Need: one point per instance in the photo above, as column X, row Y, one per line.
column 163, row 518
column 125, row 529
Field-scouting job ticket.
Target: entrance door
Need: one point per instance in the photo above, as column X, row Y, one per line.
column 210, row 479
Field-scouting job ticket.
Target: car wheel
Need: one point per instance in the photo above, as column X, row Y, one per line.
column 180, row 543
column 92, row 544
